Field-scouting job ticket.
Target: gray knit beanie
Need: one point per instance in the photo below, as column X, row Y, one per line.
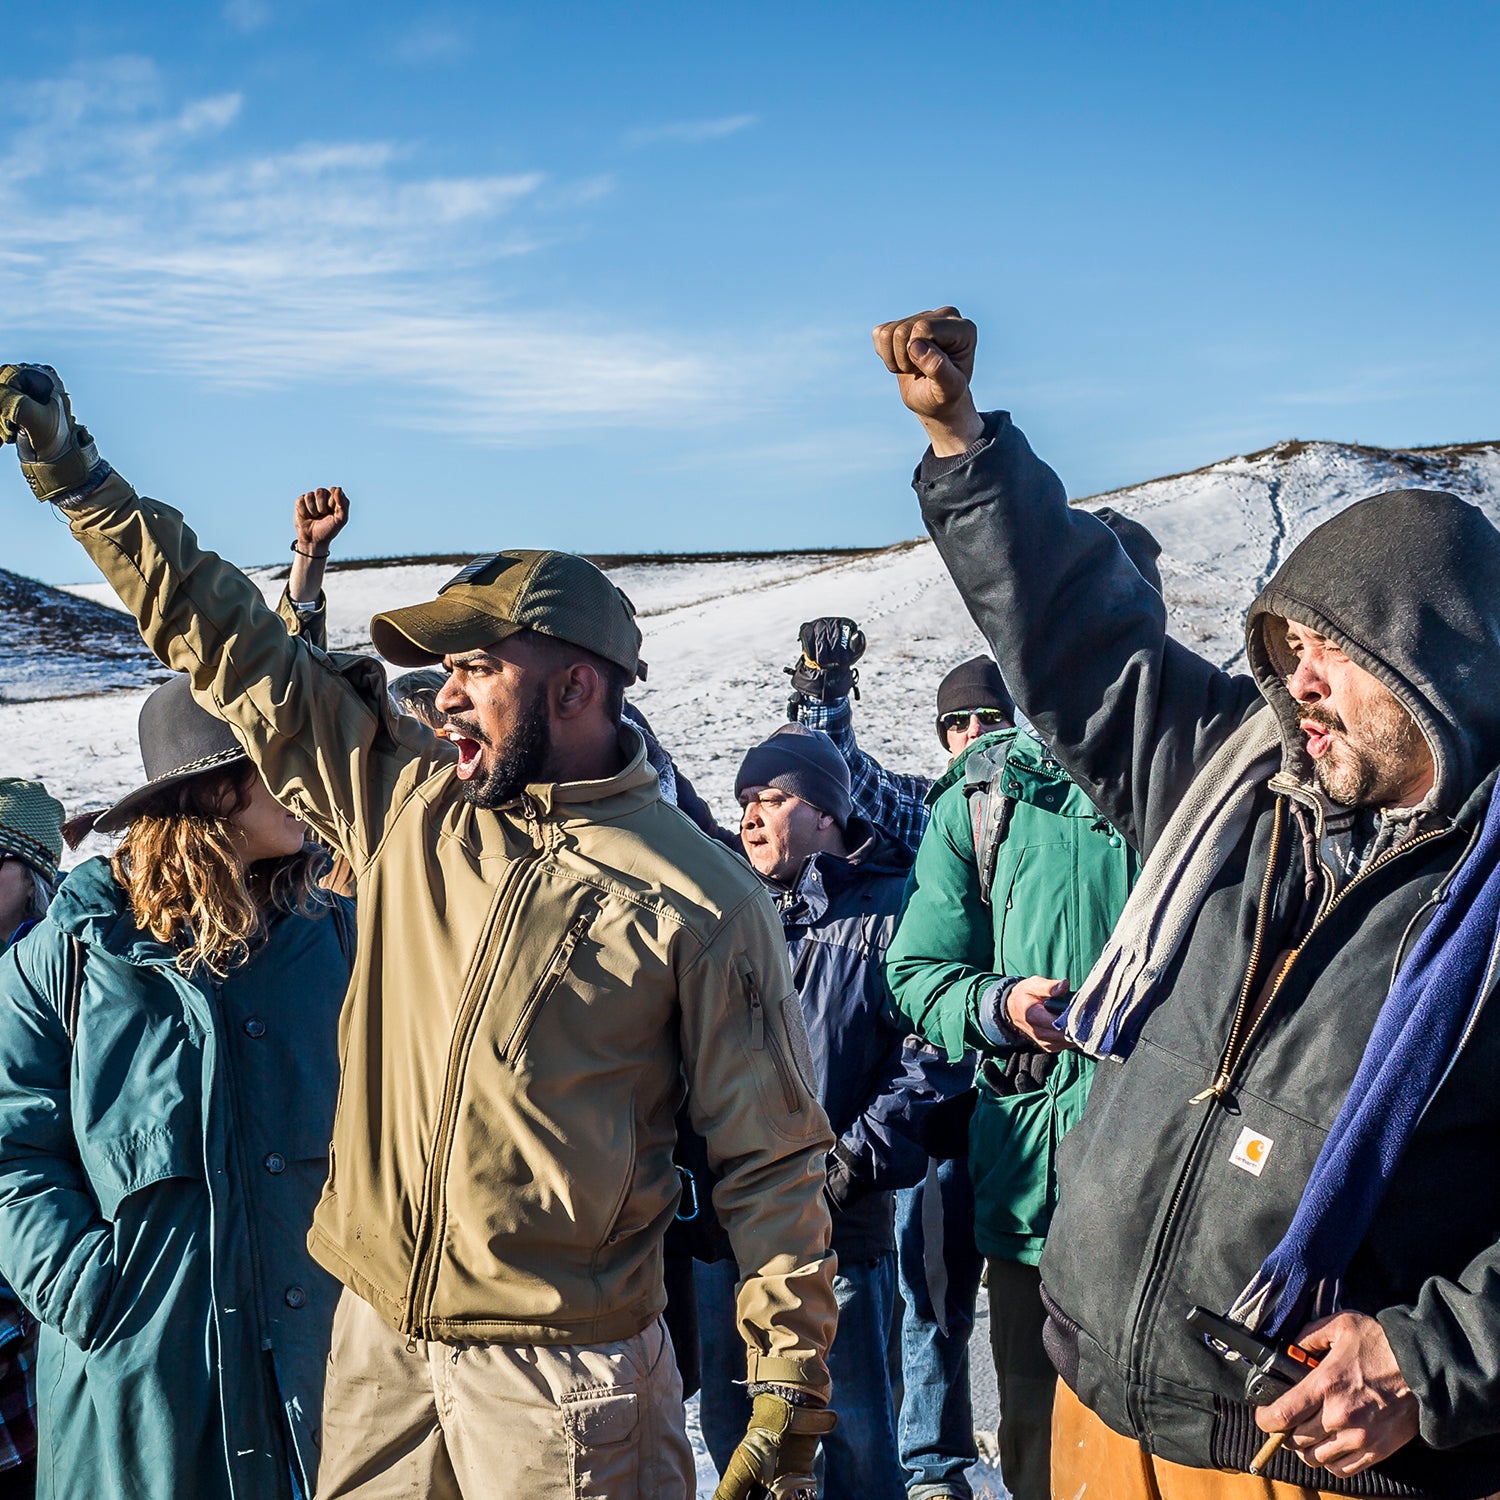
column 804, row 762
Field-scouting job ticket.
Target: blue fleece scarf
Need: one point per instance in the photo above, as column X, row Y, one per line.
column 1412, row 1046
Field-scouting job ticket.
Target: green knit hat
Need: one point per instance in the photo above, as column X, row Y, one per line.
column 31, row 824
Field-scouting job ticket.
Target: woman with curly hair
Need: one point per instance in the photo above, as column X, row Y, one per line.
column 168, row 1073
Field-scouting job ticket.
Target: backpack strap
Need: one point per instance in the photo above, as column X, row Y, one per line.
column 989, row 812
column 73, row 991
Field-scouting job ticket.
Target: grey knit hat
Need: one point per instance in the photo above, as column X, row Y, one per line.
column 804, row 762
column 31, row 825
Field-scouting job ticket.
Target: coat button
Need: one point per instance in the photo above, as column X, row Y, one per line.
column 1114, row 842
column 276, row 1162
column 295, row 1297
column 255, row 1027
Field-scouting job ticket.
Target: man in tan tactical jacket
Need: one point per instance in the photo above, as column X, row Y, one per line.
column 548, row 955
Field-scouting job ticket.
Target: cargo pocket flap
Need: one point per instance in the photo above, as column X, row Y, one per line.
column 596, row 1420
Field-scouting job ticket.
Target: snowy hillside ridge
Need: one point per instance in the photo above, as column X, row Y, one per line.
column 719, row 630
column 1226, row 528
column 54, row 645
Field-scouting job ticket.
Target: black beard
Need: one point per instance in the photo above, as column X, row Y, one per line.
column 520, row 758
column 1379, row 770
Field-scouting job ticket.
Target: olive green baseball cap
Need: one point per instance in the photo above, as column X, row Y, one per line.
column 554, row 593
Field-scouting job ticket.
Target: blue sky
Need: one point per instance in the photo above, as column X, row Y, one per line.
column 602, row 277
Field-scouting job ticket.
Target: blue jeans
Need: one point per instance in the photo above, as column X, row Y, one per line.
column 860, row 1461
column 939, row 1265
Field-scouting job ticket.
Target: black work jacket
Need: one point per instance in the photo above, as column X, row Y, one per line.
column 1155, row 1215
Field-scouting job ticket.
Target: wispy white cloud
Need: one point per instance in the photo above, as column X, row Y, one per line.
column 432, row 42
column 339, row 261
column 689, row 132
column 246, row 15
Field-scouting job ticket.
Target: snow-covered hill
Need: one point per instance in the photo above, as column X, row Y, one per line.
column 53, row 645
column 719, row 630
column 1226, row 528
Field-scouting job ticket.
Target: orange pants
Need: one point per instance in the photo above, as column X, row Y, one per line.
column 1091, row 1459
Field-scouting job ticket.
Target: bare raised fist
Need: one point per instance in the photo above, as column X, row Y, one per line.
column 319, row 517
column 931, row 354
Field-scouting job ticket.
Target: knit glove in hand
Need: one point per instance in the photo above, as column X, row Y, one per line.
column 775, row 1457
column 824, row 672
column 57, row 456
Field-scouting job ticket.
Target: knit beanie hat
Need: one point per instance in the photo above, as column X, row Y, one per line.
column 804, row 762
column 973, row 684
column 31, row 824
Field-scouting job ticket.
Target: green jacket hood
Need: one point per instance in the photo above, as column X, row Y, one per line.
column 955, row 771
column 91, row 906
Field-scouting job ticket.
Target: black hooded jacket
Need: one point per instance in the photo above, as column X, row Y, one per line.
column 1155, row 1214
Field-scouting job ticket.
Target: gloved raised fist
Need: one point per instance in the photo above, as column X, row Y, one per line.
column 57, row 455
column 824, row 672
column 775, row 1457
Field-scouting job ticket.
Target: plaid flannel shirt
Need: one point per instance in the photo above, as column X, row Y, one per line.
column 17, row 1382
column 893, row 802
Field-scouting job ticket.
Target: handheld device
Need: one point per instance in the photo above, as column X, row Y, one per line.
column 1057, row 1004
column 1271, row 1367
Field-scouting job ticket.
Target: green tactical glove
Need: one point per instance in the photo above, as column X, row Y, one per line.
column 57, row 455
column 775, row 1457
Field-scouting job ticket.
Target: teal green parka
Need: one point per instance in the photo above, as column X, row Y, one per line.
column 158, row 1175
column 1061, row 876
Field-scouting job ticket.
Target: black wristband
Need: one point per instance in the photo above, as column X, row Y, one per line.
column 315, row 556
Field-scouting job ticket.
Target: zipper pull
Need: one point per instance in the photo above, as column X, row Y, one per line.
column 1216, row 1090
column 757, row 1015
column 533, row 823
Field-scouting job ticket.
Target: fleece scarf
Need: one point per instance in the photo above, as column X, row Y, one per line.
column 1414, row 1042
column 1124, row 986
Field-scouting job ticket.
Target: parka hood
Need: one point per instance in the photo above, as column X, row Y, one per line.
column 91, row 905
column 1407, row 584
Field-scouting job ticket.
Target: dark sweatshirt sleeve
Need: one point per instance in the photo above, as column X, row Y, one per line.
column 1448, row 1348
column 1079, row 635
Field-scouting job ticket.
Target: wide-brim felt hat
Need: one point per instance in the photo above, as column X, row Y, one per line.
column 179, row 740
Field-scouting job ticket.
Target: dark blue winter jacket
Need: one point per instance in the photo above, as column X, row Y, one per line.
column 875, row 1081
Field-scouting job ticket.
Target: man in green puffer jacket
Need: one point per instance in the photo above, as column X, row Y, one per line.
column 972, row 966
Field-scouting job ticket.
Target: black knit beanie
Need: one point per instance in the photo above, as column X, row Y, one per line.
column 973, row 684
column 804, row 762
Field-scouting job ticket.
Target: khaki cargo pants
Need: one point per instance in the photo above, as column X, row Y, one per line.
column 475, row 1421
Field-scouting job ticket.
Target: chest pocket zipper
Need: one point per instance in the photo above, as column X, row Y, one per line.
column 761, row 1042
column 550, row 977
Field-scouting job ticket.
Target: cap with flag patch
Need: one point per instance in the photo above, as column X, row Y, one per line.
column 555, row 593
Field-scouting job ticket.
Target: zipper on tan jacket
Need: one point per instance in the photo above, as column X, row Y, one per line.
column 761, row 1042
column 1240, row 1036
column 511, row 1048
column 426, row 1251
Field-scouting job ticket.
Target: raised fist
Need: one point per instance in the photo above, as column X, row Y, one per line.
column 319, row 517
column 57, row 456
column 931, row 354
column 824, row 672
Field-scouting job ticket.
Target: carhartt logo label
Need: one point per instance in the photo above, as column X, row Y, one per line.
column 1252, row 1152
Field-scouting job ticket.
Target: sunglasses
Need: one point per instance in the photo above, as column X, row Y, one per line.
column 990, row 717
